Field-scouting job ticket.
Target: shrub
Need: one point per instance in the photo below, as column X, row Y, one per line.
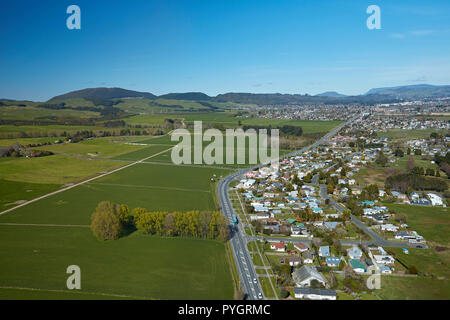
column 412, row 270
column 284, row 293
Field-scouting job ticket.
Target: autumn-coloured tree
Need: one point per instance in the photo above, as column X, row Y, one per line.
column 123, row 213
column 105, row 222
column 330, row 188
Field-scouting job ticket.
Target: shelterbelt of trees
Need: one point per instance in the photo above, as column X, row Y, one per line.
column 419, row 178
column 110, row 221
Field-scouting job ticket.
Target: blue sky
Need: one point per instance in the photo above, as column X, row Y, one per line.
column 218, row 46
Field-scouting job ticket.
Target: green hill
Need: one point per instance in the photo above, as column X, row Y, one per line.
column 103, row 93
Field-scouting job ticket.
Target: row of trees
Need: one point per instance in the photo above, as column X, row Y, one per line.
column 443, row 162
column 411, row 181
column 110, row 221
column 197, row 224
column 86, row 133
column 286, row 130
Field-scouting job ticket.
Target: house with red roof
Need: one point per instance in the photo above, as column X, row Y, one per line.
column 278, row 246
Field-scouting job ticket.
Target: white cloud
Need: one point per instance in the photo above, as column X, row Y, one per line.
column 397, row 35
column 422, row 32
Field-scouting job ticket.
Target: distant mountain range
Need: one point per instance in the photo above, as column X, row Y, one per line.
column 416, row 91
column 332, row 94
column 194, row 96
column 377, row 95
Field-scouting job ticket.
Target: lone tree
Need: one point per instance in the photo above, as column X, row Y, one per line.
column 410, row 164
column 105, row 222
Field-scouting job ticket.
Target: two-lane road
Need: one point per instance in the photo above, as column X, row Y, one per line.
column 242, row 258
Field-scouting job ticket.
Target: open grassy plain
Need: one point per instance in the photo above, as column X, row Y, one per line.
column 413, row 288
column 228, row 119
column 137, row 266
column 32, row 113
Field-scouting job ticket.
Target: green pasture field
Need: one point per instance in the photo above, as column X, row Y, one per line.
column 228, row 120
column 186, row 104
column 225, row 118
column 433, row 223
column 144, row 153
column 56, row 169
column 138, row 266
column 75, row 102
column 375, row 174
column 25, row 141
column 413, row 288
column 151, row 186
column 166, row 139
column 106, row 147
column 25, row 179
column 13, row 191
column 32, row 113
column 167, row 156
column 149, row 267
column 135, row 105
column 427, row 261
column 149, row 119
column 418, row 162
column 7, row 293
column 36, row 131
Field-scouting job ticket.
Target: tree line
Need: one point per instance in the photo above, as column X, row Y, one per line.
column 286, row 130
column 110, row 221
column 411, row 181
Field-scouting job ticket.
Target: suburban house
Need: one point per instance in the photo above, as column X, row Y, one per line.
column 300, row 246
column 355, row 253
column 278, row 246
column 435, row 199
column 389, row 227
column 357, row 266
column 248, row 183
column 333, row 261
column 331, row 225
column 314, row 294
column 384, row 260
column 293, row 261
column 295, row 230
column 304, row 275
column 324, row 251
column 308, row 258
column 260, row 216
